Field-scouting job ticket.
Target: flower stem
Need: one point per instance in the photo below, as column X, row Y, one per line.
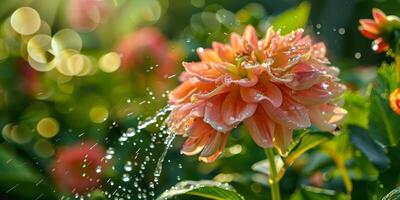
column 273, row 181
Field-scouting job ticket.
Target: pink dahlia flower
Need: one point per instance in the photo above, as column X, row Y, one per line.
column 75, row 167
column 149, row 44
column 273, row 85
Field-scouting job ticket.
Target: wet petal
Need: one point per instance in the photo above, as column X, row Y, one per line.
column 199, row 134
column 282, row 139
column 305, row 76
column 214, row 147
column 208, row 94
column 379, row 45
column 327, row 116
column 266, row 91
column 208, row 55
column 250, row 36
column 213, row 114
column 290, row 114
column 224, row 52
column 235, row 109
column 261, row 128
column 319, row 93
column 201, row 70
column 236, row 42
column 182, row 92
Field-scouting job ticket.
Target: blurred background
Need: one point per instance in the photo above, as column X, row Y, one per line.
column 71, row 130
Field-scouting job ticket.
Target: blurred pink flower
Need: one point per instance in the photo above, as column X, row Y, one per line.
column 87, row 14
column 145, row 43
column 75, row 167
column 273, row 85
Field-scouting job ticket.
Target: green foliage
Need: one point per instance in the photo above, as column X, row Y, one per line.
column 369, row 147
column 383, row 122
column 292, row 19
column 204, row 189
column 19, row 180
column 390, row 178
column 306, row 142
column 357, row 109
column 393, row 195
column 313, row 193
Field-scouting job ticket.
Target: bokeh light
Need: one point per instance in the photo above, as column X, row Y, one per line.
column 47, row 127
column 98, row 114
column 110, row 62
column 44, row 148
column 66, row 39
column 25, row 21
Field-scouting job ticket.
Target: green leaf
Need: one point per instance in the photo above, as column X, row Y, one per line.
column 390, row 178
column 293, row 18
column 204, row 189
column 306, row 142
column 313, row 193
column 357, row 109
column 18, row 179
column 373, row 151
column 383, row 123
column 393, row 195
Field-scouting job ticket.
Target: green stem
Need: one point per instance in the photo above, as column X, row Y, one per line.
column 273, row 181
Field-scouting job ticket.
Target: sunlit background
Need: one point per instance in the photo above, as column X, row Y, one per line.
column 80, row 78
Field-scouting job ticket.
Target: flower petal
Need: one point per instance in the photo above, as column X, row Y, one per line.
column 250, row 35
column 224, row 52
column 203, row 71
column 367, row 34
column 379, row 45
column 235, row 109
column 370, row 26
column 261, row 128
column 319, row 93
column 266, row 91
column 236, row 42
column 327, row 116
column 198, row 137
column 290, row 114
column 379, row 16
column 305, row 76
column 214, row 147
column 213, row 114
column 208, row 55
column 282, row 139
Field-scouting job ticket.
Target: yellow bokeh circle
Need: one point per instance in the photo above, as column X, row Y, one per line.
column 44, row 148
column 110, row 62
column 47, row 127
column 25, row 21
column 98, row 114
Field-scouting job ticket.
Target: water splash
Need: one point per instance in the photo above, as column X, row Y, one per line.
column 168, row 141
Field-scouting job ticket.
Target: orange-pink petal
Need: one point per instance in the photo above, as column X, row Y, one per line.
column 214, row 147
column 370, row 26
column 261, row 128
column 289, row 114
column 235, row 110
column 267, row 91
column 379, row 16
